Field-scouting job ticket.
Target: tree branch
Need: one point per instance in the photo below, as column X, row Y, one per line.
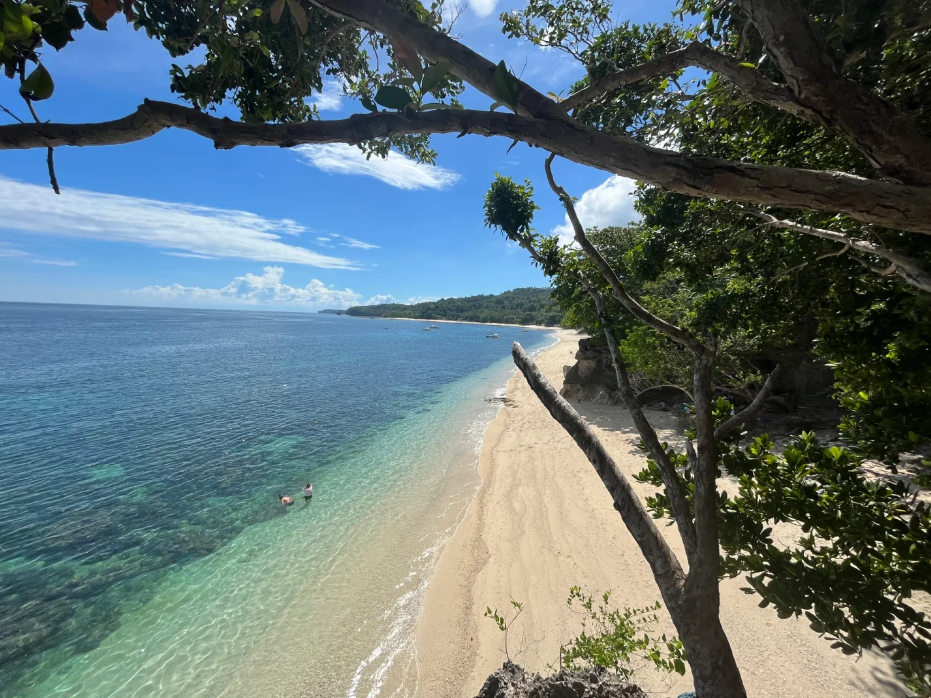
column 750, row 412
column 50, row 155
column 674, row 490
column 475, row 69
column 666, row 568
column 889, row 139
column 698, row 55
column 904, row 266
column 677, row 334
column 870, row 201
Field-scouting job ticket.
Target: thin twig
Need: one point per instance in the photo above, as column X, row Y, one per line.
column 11, row 114
column 50, row 157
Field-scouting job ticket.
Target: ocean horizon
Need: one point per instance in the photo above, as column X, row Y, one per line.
column 142, row 451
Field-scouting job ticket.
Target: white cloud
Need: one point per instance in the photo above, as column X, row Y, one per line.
column 331, row 98
column 255, row 290
column 188, row 255
column 10, row 251
column 610, row 203
column 198, row 230
column 483, row 8
column 352, row 242
column 396, row 170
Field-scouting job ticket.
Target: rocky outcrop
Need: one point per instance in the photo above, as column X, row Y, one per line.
column 510, row 681
column 591, row 378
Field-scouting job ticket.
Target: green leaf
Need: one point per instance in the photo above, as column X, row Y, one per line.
column 73, row 17
column 368, row 103
column 57, row 35
column 913, row 437
column 434, row 75
column 38, row 85
column 93, row 21
column 433, row 105
column 495, row 105
column 748, row 65
column 393, row 97
column 299, row 15
column 680, row 666
column 504, row 86
column 275, row 11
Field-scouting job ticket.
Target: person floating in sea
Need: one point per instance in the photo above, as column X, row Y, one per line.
column 285, row 500
column 308, row 491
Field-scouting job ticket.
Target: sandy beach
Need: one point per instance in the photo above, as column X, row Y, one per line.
column 543, row 522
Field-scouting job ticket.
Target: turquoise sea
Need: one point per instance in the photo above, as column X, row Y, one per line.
column 143, row 551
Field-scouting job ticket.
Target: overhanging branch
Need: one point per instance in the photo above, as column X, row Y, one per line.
column 902, row 265
column 870, row 201
column 698, row 55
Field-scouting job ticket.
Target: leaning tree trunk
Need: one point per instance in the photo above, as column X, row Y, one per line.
column 693, row 601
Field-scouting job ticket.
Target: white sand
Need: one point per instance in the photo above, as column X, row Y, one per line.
column 542, row 522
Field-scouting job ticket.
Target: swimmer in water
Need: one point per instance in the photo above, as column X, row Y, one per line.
column 285, row 500
column 308, row 491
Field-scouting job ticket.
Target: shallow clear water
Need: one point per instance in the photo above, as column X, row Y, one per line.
column 142, row 548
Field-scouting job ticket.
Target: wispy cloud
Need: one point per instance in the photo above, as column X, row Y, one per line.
column 331, row 98
column 16, row 252
column 255, row 289
column 189, row 255
column 183, row 228
column 352, row 242
column 396, row 170
column 610, row 203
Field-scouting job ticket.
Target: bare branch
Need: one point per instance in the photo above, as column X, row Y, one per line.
column 904, row 266
column 871, row 201
column 697, row 55
column 50, row 155
column 749, row 413
column 677, row 334
column 3, row 108
column 674, row 490
column 797, row 267
column 666, row 568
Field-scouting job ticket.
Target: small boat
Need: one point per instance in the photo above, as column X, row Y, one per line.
column 491, row 336
column 434, row 327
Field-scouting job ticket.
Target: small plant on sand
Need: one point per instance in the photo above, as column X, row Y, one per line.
column 618, row 640
column 504, row 622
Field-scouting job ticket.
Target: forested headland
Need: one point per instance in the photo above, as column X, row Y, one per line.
column 522, row 306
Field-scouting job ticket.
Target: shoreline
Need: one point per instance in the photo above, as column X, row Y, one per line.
column 541, row 522
column 460, row 322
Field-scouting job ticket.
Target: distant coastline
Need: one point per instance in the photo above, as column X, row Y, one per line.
column 522, row 307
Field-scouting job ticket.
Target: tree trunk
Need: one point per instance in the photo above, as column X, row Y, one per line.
column 711, row 660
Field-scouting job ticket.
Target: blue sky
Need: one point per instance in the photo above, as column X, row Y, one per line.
column 170, row 221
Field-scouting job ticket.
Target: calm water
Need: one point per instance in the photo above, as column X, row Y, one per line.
column 142, row 548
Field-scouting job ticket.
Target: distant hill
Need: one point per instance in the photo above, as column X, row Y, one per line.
column 333, row 312
column 522, row 306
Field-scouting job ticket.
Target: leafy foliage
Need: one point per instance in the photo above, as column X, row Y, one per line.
column 864, row 547
column 522, row 306
column 619, row 639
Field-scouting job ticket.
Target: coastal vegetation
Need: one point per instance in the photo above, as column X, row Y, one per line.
column 785, row 169
column 522, row 306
